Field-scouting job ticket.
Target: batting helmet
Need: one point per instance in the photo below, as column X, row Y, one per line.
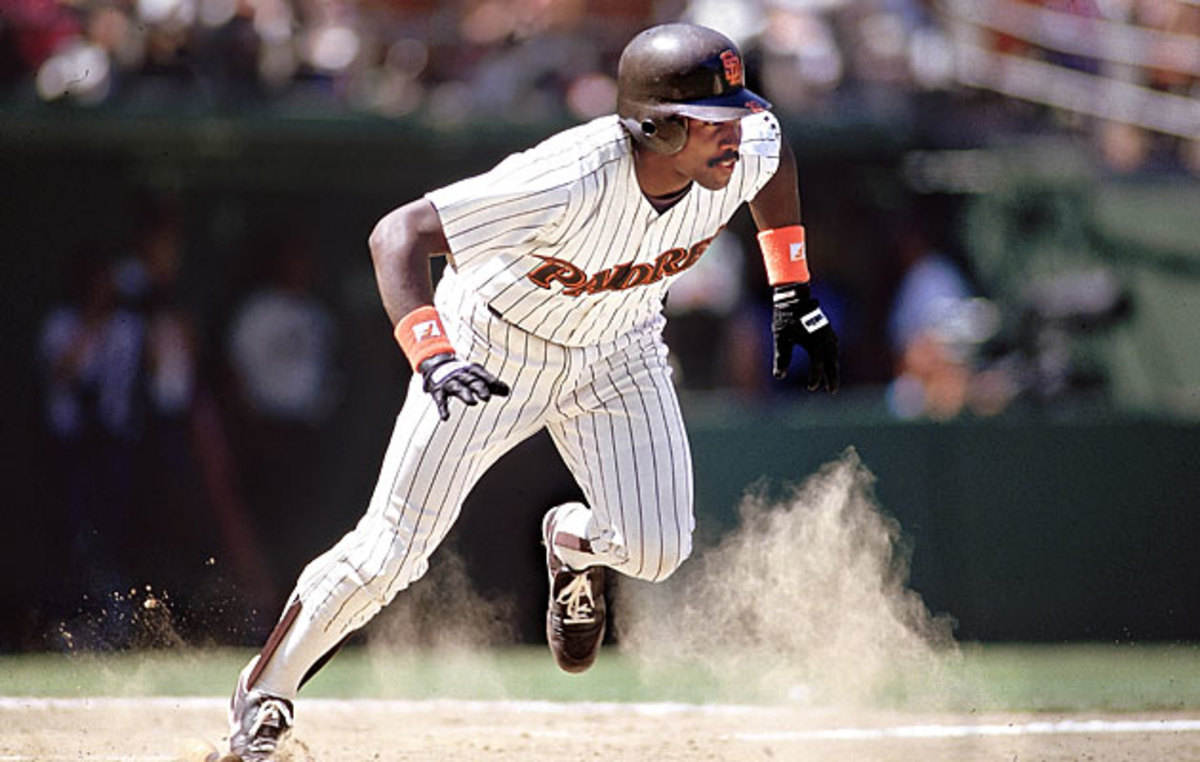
column 676, row 70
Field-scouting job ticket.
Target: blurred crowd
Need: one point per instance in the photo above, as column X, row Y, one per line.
column 1125, row 71
column 523, row 60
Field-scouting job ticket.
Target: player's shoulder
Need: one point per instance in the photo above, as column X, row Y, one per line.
column 551, row 170
column 584, row 148
column 761, row 134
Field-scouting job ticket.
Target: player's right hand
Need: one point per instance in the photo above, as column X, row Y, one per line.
column 447, row 376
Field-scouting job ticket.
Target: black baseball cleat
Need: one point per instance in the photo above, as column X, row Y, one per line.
column 575, row 614
column 258, row 721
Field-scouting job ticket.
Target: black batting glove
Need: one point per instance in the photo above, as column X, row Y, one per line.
column 798, row 319
column 447, row 376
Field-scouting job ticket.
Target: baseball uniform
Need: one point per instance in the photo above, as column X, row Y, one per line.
column 558, row 270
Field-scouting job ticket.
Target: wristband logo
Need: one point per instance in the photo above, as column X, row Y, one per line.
column 576, row 282
column 796, row 251
column 425, row 330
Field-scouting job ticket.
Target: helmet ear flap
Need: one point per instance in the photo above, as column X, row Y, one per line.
column 661, row 133
column 671, row 134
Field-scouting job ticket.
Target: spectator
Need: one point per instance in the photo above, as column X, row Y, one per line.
column 172, row 505
column 148, row 283
column 282, row 349
column 90, row 357
column 282, row 343
column 932, row 366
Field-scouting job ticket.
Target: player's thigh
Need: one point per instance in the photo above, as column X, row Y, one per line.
column 626, row 445
column 431, row 465
column 428, row 469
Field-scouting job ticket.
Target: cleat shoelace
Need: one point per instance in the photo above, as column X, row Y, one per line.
column 272, row 720
column 577, row 598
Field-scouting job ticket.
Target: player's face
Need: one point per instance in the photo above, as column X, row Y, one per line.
column 711, row 152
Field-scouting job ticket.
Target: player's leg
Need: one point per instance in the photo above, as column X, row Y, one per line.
column 621, row 433
column 624, row 440
column 428, row 469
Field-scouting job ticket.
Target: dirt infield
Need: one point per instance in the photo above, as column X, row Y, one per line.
column 134, row 730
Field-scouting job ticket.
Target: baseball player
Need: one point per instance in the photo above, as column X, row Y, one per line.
column 550, row 316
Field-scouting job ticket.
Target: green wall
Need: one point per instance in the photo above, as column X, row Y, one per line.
column 1022, row 527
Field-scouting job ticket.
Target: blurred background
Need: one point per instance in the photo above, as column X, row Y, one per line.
column 199, row 379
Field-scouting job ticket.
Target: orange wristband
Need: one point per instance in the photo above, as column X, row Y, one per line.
column 422, row 335
column 783, row 253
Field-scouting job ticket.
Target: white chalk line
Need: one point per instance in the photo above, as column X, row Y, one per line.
column 399, row 707
column 1062, row 727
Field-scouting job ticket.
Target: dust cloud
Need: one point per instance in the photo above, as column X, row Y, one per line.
column 443, row 611
column 442, row 620
column 806, row 601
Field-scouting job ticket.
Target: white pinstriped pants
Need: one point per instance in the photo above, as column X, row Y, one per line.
column 614, row 416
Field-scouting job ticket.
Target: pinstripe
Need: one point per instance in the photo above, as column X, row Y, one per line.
column 512, row 172
column 522, row 210
column 511, row 226
column 676, row 444
column 573, row 448
column 512, row 235
column 609, row 235
column 627, row 418
column 611, row 501
column 602, row 504
column 606, row 393
column 657, row 471
column 376, row 507
column 505, row 274
column 650, row 439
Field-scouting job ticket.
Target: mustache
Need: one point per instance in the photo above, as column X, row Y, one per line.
column 723, row 157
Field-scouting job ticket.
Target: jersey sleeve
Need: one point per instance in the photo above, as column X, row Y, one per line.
column 761, row 139
column 519, row 201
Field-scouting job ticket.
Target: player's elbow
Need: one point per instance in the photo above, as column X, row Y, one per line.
column 412, row 229
column 387, row 237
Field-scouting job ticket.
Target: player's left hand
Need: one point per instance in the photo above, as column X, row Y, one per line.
column 447, row 376
column 798, row 320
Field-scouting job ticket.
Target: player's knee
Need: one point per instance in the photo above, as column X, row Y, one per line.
column 662, row 558
column 355, row 559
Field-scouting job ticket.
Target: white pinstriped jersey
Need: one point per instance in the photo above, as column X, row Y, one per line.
column 560, row 241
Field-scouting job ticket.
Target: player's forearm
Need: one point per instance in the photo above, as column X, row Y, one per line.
column 777, row 205
column 403, row 280
column 401, row 245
